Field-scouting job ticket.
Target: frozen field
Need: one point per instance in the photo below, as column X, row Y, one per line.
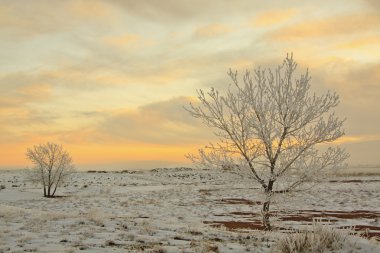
column 173, row 210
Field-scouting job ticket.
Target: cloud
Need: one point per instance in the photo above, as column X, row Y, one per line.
column 363, row 152
column 19, row 125
column 273, row 17
column 38, row 86
column 163, row 122
column 27, row 107
column 37, row 91
column 124, row 40
column 373, row 4
column 168, row 11
column 26, row 19
column 16, row 118
column 359, row 82
column 19, row 89
column 84, row 9
column 327, row 27
column 104, row 68
column 360, row 43
column 69, row 66
column 358, row 85
column 212, row 30
column 357, row 139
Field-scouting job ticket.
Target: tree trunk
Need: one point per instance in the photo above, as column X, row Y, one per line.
column 49, row 187
column 266, row 205
column 266, row 216
column 57, row 182
column 55, row 188
column 44, row 191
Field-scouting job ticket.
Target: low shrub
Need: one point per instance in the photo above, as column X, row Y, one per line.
column 316, row 239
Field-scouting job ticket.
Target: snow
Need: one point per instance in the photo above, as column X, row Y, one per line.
column 169, row 210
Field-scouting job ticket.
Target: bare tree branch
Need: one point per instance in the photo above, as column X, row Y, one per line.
column 271, row 122
column 52, row 166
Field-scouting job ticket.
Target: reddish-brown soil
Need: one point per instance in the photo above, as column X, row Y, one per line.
column 240, row 214
column 368, row 231
column 207, row 191
column 309, row 215
column 237, row 201
column 301, row 216
column 305, row 218
column 365, row 227
column 355, row 181
column 236, row 225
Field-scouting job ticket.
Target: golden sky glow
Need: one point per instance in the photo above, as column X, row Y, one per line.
column 109, row 79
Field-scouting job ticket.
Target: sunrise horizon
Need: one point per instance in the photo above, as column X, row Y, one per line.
column 109, row 80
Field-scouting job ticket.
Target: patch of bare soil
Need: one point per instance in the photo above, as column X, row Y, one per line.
column 309, row 215
column 249, row 215
column 368, row 231
column 56, row 196
column 355, row 181
column 302, row 216
column 236, row 225
column 207, row 191
column 238, row 201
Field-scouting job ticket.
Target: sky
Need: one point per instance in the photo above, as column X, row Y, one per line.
column 109, row 79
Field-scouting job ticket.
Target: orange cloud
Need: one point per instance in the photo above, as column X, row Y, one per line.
column 123, row 40
column 21, row 88
column 212, row 30
column 331, row 26
column 128, row 40
column 164, row 75
column 357, row 138
column 93, row 9
column 29, row 19
column 273, row 17
column 361, row 43
column 37, row 91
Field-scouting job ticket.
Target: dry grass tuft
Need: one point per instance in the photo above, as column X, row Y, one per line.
column 316, row 239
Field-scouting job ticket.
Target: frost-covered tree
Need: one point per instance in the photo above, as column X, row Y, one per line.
column 52, row 166
column 270, row 125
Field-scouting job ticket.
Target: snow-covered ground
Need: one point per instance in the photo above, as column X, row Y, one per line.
column 173, row 210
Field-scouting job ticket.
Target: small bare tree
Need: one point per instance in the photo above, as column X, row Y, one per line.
column 270, row 125
column 52, row 166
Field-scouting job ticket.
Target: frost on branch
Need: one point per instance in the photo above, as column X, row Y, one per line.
column 270, row 123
